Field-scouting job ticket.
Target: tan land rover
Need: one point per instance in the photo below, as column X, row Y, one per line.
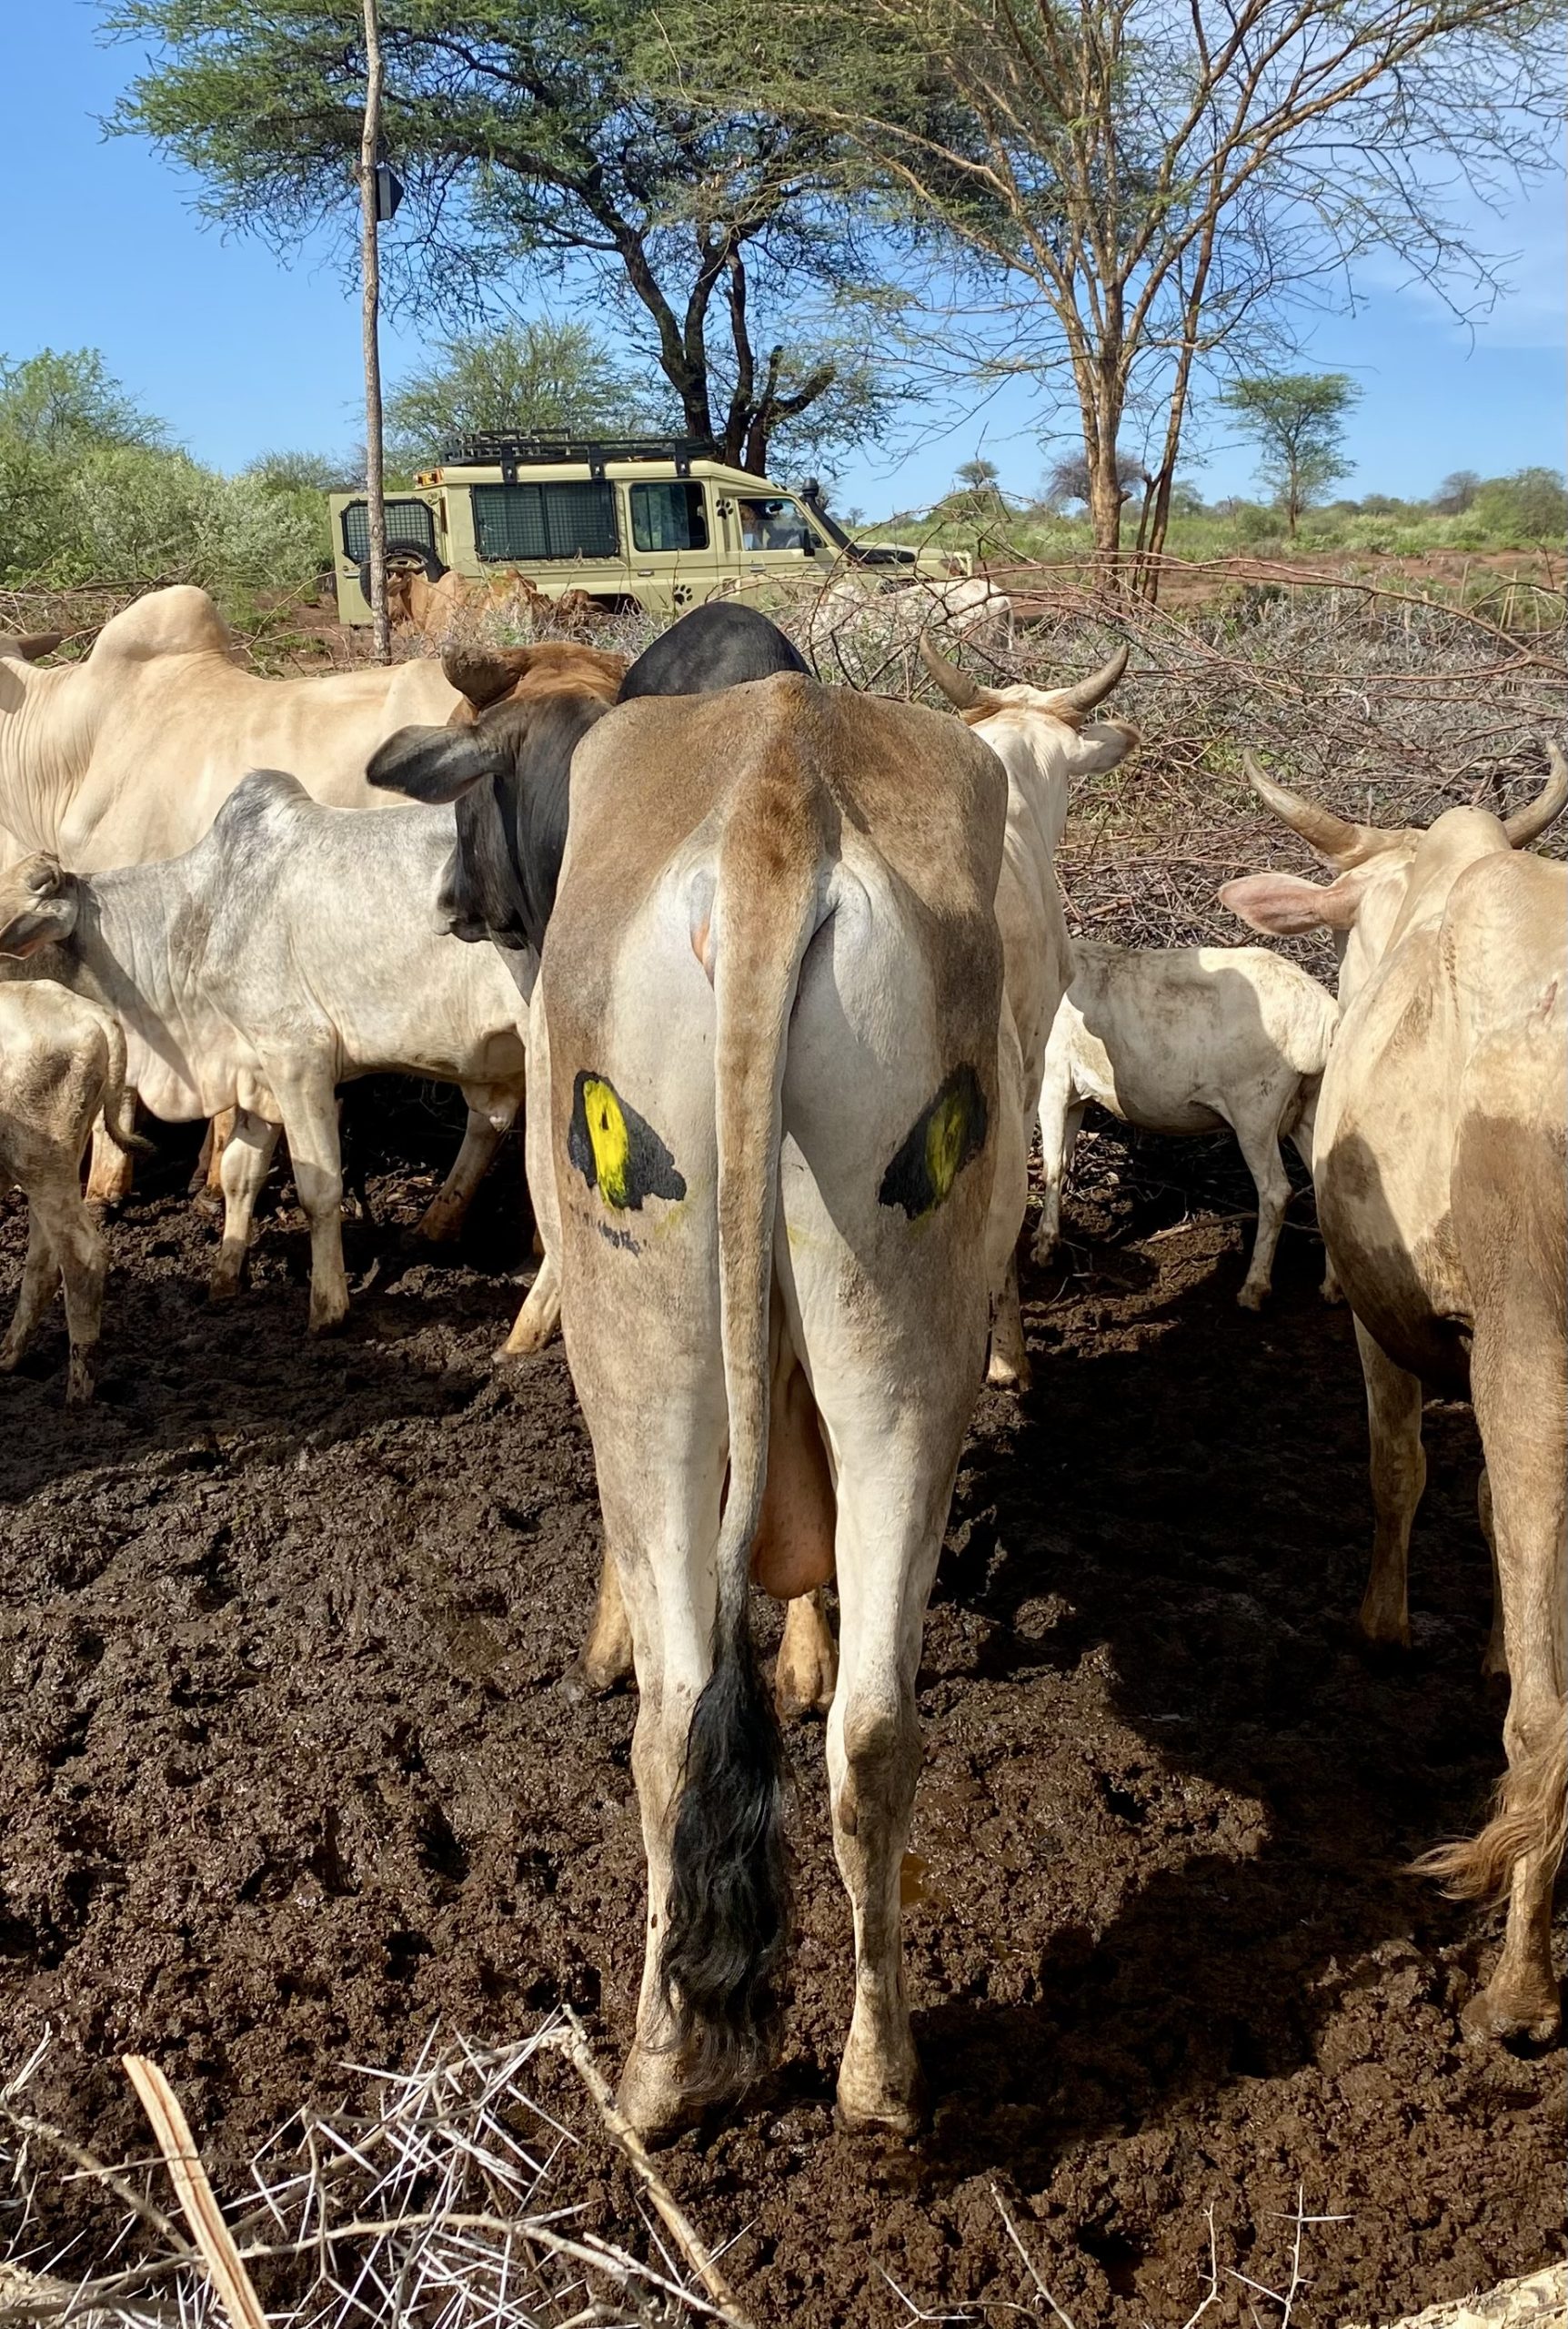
column 662, row 523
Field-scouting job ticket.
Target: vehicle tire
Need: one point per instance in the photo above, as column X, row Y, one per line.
column 405, row 557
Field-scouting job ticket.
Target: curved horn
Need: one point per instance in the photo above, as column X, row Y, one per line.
column 1333, row 837
column 957, row 686
column 1087, row 694
column 33, row 647
column 1527, row 823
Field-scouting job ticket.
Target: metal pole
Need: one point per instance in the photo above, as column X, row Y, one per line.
column 370, row 146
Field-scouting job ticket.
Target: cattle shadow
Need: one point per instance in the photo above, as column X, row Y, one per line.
column 1177, row 1509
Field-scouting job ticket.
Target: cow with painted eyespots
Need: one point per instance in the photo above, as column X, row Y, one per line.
column 763, row 1144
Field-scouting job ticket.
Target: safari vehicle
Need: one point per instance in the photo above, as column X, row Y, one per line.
column 661, row 523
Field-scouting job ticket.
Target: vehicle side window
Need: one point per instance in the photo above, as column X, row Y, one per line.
column 773, row 525
column 407, row 522
column 559, row 519
column 668, row 517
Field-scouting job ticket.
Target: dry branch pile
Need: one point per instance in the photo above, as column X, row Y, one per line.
column 448, row 2202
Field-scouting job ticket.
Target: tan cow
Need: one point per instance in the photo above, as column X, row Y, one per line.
column 62, row 1060
column 768, row 1011
column 126, row 757
column 1441, row 1154
column 1045, row 739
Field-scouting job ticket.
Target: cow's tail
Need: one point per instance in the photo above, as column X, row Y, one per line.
column 1529, row 1818
column 728, row 1918
column 119, row 1105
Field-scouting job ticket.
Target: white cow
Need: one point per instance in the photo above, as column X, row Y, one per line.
column 1442, row 1171
column 293, row 948
column 127, row 757
column 1187, row 1039
column 1045, row 738
column 868, row 611
column 61, row 1059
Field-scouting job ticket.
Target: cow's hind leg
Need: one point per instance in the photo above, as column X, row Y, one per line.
column 539, row 1315
column 310, row 1111
column 243, row 1168
column 111, row 1172
column 1008, row 1368
column 1518, row 1368
column 1398, row 1470
column 1060, row 1121
column 1495, row 1657
column 605, row 1657
column 84, row 1264
column 492, row 1111
column 1260, row 1145
column 40, row 1275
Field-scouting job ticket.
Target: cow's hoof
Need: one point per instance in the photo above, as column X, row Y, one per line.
column 1252, row 1298
column 1379, row 1629
column 326, row 1321
column 10, row 1360
column 1008, row 1374
column 80, row 1383
column 1532, row 2018
column 438, row 1227
column 875, row 2110
column 1333, row 1293
column 651, row 2101
column 221, row 1292
column 587, row 1678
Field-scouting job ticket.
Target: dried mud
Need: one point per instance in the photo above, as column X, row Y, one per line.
column 288, row 1777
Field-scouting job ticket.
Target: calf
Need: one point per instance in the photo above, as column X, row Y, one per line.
column 1185, row 1038
column 294, row 948
column 1440, row 1157
column 61, row 1061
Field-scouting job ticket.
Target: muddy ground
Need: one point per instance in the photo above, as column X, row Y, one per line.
column 286, row 1776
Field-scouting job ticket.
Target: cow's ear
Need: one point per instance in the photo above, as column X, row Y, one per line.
column 435, row 764
column 32, row 647
column 1286, row 906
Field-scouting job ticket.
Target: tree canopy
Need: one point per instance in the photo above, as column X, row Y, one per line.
column 1137, row 198
column 553, row 136
column 1298, row 420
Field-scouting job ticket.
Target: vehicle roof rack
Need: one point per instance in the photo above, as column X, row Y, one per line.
column 544, row 446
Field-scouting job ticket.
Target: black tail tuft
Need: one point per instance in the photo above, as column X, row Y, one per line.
column 729, row 1899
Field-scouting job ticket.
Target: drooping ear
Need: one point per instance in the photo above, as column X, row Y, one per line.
column 32, row 646
column 1286, row 905
column 435, row 764
column 485, row 675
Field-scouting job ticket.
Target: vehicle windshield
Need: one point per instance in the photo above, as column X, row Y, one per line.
column 774, row 524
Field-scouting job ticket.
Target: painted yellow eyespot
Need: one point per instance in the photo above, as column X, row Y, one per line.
column 608, row 1139
column 944, row 1137
column 616, row 1150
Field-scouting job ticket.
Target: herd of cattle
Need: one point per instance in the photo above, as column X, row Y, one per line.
column 806, row 980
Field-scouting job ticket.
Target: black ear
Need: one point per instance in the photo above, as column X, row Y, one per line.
column 435, row 764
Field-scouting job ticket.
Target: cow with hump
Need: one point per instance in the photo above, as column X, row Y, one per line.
column 766, row 1024
column 1440, row 1161
column 295, row 947
column 127, row 756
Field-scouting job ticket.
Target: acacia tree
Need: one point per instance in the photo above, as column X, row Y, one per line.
column 528, row 377
column 1159, row 183
column 541, row 134
column 1298, row 418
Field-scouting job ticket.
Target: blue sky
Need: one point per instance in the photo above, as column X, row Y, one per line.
column 240, row 353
